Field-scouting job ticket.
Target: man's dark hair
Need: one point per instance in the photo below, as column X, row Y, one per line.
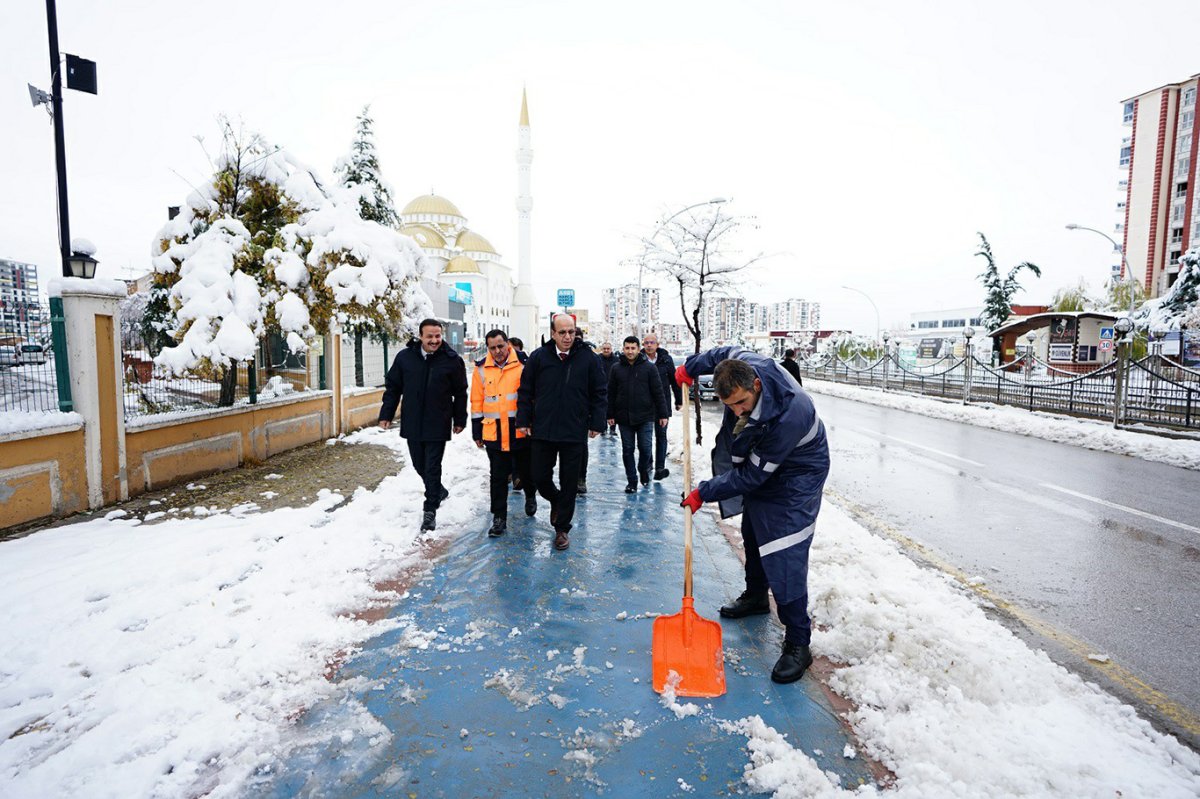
column 789, row 354
column 516, row 342
column 495, row 332
column 732, row 374
column 426, row 323
column 632, row 340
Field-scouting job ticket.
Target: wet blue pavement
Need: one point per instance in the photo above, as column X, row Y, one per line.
column 526, row 672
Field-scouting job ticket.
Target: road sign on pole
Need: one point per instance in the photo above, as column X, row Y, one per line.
column 1106, row 333
column 566, row 297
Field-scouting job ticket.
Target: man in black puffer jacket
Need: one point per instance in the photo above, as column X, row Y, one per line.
column 636, row 403
column 433, row 381
column 560, row 404
column 609, row 359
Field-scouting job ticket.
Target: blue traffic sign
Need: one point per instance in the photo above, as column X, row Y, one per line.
column 1106, row 333
column 566, row 297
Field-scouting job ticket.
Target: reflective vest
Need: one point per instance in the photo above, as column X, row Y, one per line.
column 494, row 402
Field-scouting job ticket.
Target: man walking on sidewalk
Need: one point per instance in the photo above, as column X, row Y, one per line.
column 433, row 381
column 636, row 403
column 494, row 426
column 790, row 366
column 769, row 463
column 560, row 404
column 662, row 361
column 609, row 359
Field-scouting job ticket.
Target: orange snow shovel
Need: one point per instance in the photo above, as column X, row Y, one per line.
column 686, row 643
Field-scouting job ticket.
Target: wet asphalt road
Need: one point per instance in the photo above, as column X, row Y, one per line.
column 1026, row 516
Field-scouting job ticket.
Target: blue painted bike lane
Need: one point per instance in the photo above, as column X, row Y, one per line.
column 522, row 671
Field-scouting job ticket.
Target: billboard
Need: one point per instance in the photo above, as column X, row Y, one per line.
column 1063, row 330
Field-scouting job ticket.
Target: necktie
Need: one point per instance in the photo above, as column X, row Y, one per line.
column 562, row 356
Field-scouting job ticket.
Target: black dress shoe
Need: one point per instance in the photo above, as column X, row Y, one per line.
column 661, row 473
column 631, row 488
column 429, row 521
column 792, row 664
column 530, row 506
column 499, row 525
column 747, row 604
column 646, row 479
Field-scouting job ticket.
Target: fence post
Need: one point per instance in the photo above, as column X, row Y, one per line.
column 386, row 364
column 252, row 378
column 62, row 361
column 92, row 326
column 887, row 357
column 967, row 373
column 1119, row 377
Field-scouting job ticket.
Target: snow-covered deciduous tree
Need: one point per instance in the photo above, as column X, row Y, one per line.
column 359, row 170
column 1074, row 298
column 1124, row 295
column 695, row 252
column 998, row 291
column 1180, row 306
column 263, row 245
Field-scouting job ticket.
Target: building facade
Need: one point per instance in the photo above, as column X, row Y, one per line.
column 21, row 317
column 628, row 311
column 1156, row 208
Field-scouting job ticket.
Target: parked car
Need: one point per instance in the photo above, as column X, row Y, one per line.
column 10, row 356
column 704, row 385
column 32, row 353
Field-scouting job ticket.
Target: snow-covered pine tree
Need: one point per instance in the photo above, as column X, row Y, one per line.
column 1180, row 306
column 360, row 170
column 998, row 292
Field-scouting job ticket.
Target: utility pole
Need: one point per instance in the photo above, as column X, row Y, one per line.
column 60, row 148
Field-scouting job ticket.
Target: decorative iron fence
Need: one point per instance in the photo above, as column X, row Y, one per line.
column 33, row 360
column 1152, row 391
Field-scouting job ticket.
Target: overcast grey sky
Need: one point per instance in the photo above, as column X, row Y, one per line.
column 871, row 140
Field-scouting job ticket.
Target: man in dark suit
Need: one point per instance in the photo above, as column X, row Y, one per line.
column 662, row 361
column 432, row 378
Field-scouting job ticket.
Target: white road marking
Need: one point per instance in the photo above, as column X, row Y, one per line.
column 1134, row 511
column 914, row 444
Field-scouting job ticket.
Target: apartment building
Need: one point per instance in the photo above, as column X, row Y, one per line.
column 21, row 316
column 1157, row 214
column 624, row 312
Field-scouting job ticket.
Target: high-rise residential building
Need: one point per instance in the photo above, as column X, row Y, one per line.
column 725, row 319
column 794, row 314
column 21, row 315
column 624, row 313
column 1157, row 213
column 758, row 315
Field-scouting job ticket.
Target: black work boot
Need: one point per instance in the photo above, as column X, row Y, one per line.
column 499, row 525
column 530, row 506
column 748, row 604
column 792, row 664
column 429, row 520
column 662, row 473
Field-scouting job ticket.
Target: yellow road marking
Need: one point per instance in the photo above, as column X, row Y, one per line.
column 1179, row 715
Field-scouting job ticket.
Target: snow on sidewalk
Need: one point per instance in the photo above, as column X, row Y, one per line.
column 1087, row 433
column 168, row 659
column 171, row 659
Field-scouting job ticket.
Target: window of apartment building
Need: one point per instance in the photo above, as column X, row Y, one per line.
column 1189, row 97
column 1181, row 170
column 1121, row 205
column 954, row 323
column 1185, row 119
column 1180, row 190
column 1177, row 212
column 1185, row 143
column 975, row 320
column 927, row 325
column 1125, row 153
column 1128, row 112
column 1176, row 235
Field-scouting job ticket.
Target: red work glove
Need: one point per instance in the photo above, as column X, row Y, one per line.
column 692, row 500
column 682, row 377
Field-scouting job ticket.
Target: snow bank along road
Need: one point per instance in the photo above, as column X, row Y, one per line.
column 175, row 659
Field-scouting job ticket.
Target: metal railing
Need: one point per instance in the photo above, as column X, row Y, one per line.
column 33, row 375
column 1151, row 391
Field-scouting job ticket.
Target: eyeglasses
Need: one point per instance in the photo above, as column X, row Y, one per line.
column 565, row 332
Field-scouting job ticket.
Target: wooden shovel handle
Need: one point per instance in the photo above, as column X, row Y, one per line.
column 687, row 489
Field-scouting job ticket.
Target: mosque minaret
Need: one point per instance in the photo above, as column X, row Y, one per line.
column 525, row 320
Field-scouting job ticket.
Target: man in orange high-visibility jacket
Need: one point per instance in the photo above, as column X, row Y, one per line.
column 493, row 426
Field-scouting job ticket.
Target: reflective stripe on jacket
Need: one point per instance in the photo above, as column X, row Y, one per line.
column 494, row 402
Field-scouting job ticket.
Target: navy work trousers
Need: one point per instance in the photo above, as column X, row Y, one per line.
column 794, row 614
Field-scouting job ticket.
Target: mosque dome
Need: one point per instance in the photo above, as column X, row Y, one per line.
column 424, row 236
column 461, row 265
column 431, row 204
column 471, row 241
